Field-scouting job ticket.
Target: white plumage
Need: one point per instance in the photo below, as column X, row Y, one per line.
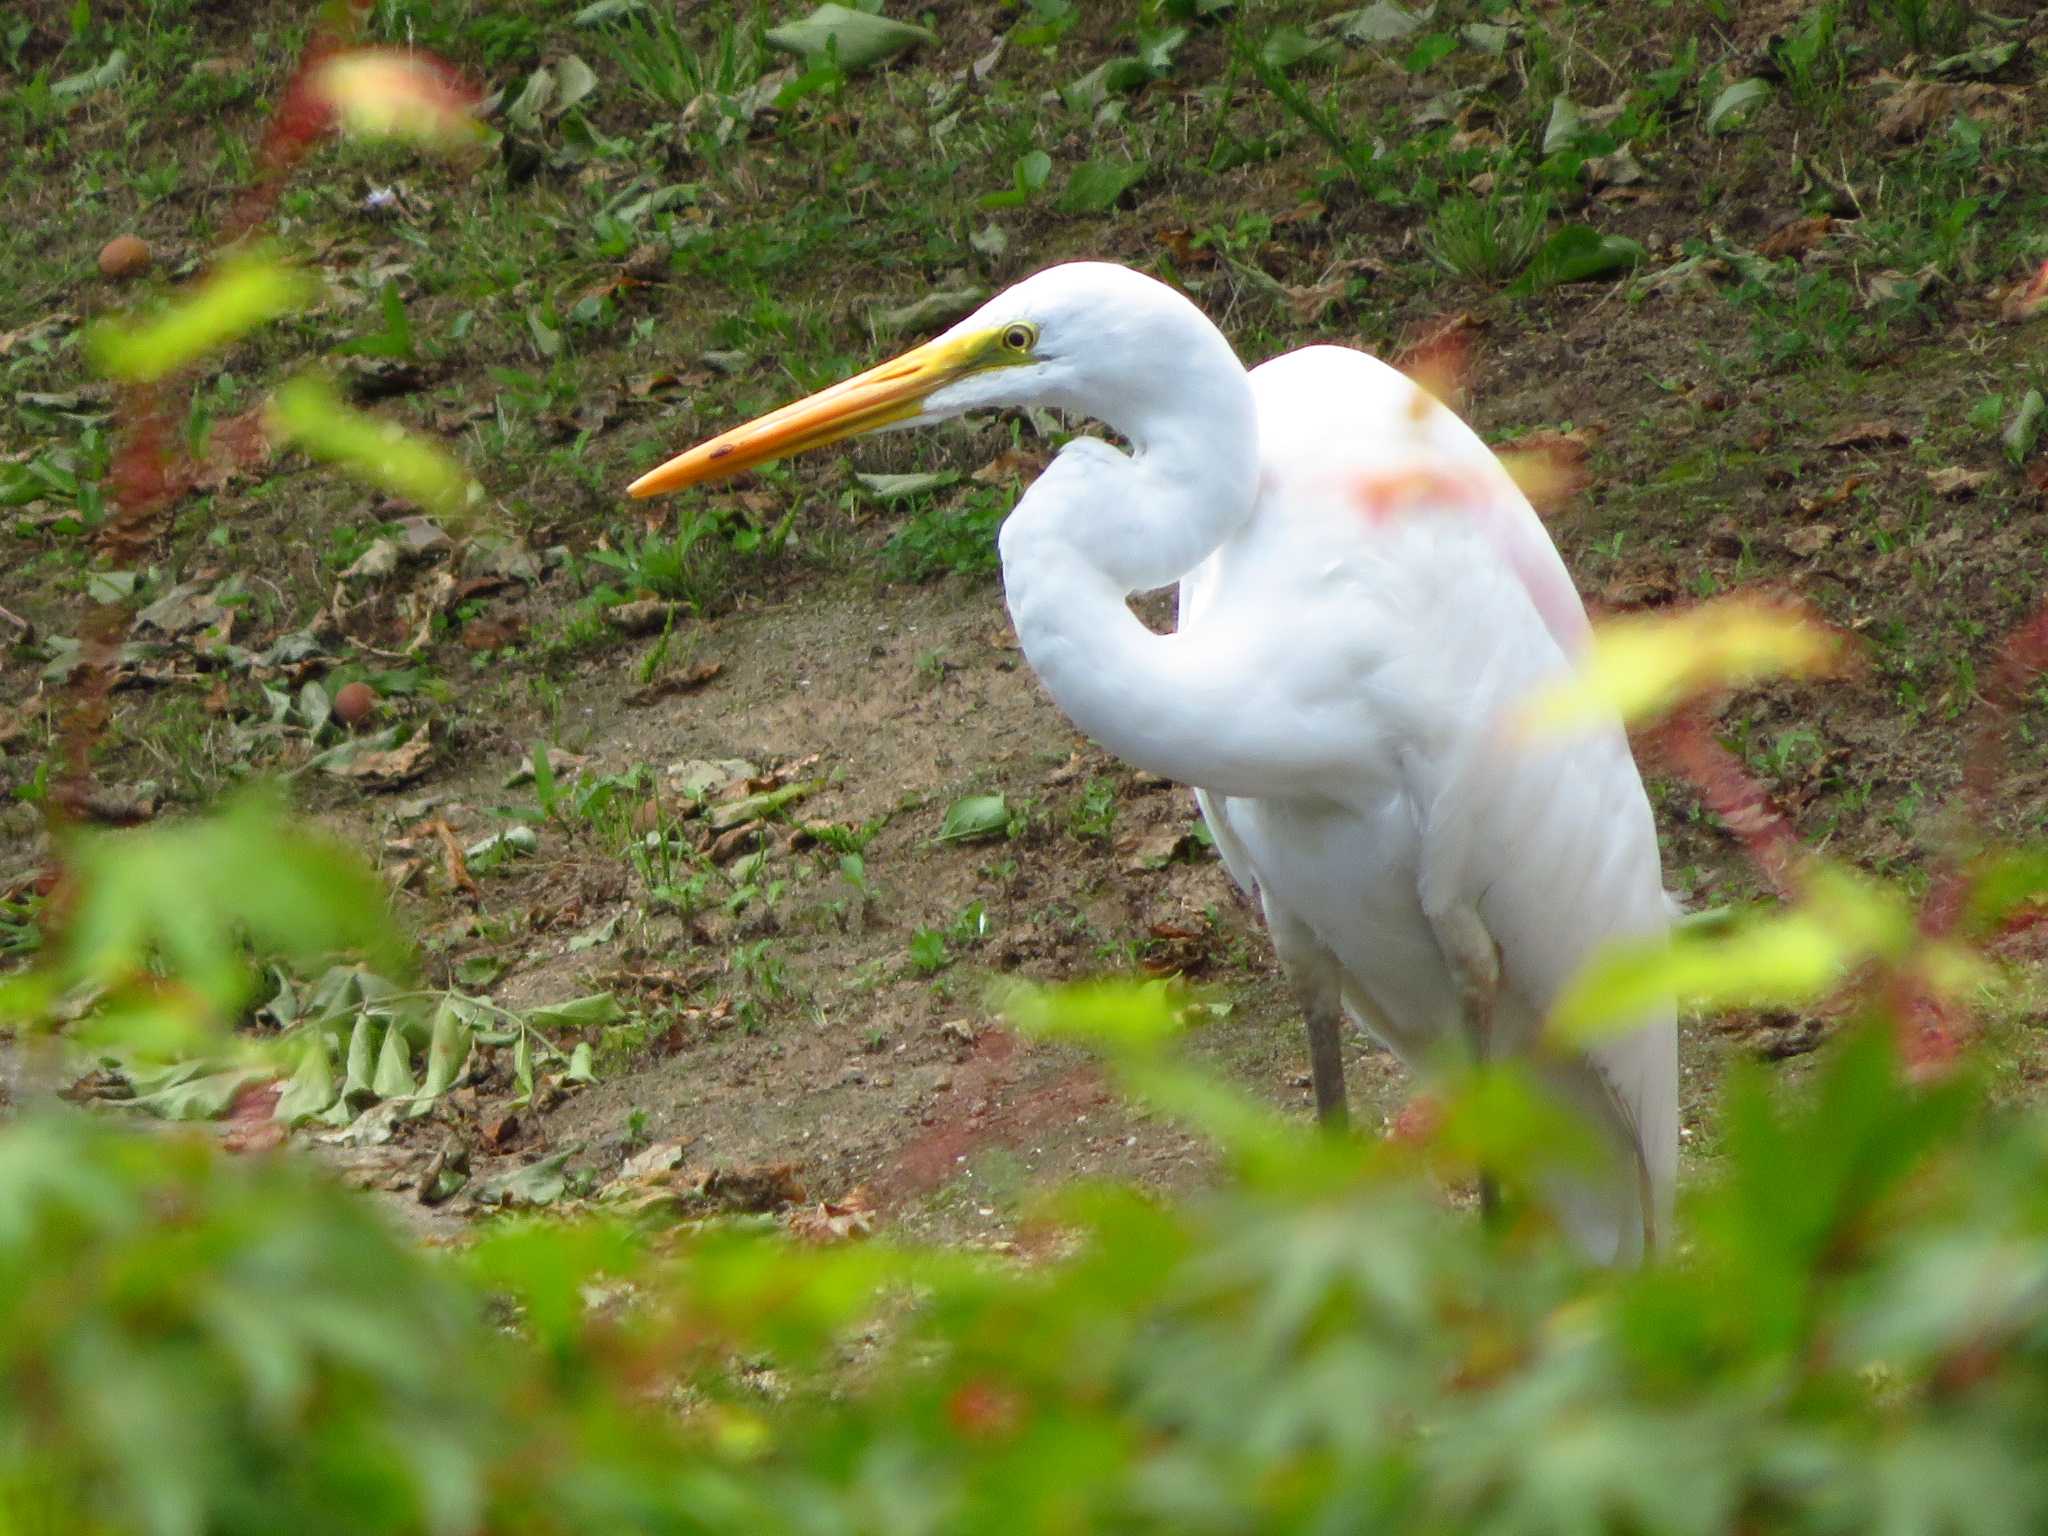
column 1366, row 602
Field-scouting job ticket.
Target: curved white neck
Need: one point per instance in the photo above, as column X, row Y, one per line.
column 1099, row 525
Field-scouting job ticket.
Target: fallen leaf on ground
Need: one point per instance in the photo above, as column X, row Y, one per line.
column 1155, row 849
column 562, row 764
column 1797, row 236
column 661, row 1157
column 834, row 1221
column 1956, row 483
column 765, row 803
column 186, row 607
column 1010, row 464
column 697, row 777
column 652, row 385
column 1866, row 434
column 1810, row 539
column 386, row 769
column 541, row 1183
column 688, row 681
column 646, row 616
column 2025, row 299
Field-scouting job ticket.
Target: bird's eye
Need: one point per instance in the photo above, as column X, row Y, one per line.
column 1020, row 337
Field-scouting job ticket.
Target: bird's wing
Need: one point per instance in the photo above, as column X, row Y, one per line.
column 1230, row 847
column 1337, row 412
column 1548, row 839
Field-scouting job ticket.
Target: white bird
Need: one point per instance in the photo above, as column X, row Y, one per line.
column 1366, row 601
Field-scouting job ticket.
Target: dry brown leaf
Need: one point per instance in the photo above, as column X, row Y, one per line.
column 649, row 385
column 834, row 1221
column 388, row 770
column 1810, row 539
column 492, row 634
column 1913, row 109
column 1310, row 305
column 1909, row 112
column 1179, row 244
column 451, row 852
column 2026, row 299
column 1643, row 591
column 730, row 844
column 49, row 325
column 1796, row 237
column 675, row 683
column 251, row 1119
column 1866, row 434
column 1154, row 849
column 1010, row 464
column 643, row 616
column 1955, row 483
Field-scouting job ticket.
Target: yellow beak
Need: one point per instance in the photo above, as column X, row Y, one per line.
column 880, row 397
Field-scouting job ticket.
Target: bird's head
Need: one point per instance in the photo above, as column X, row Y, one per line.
column 1065, row 337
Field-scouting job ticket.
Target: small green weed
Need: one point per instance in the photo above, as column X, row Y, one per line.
column 1486, row 239
column 1811, row 57
column 958, row 538
column 1093, row 818
column 1922, row 26
column 929, row 953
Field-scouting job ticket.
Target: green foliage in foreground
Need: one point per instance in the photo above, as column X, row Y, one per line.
column 1856, row 1342
column 1854, row 1338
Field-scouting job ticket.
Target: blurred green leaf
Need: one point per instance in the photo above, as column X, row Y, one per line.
column 1118, row 1016
column 579, row 1069
column 1782, row 958
column 206, row 899
column 1641, row 667
column 243, row 292
column 358, row 1089
column 308, row 414
column 391, row 93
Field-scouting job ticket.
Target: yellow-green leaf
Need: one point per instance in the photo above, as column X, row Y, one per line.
column 1640, row 668
column 308, row 414
column 385, row 93
column 1783, row 958
column 1110, row 1015
column 241, row 294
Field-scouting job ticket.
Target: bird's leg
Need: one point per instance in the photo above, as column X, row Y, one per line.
column 1326, row 1060
column 1317, row 978
column 1474, row 961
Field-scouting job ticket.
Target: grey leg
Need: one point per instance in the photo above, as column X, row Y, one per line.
column 1474, row 960
column 1318, row 982
column 1326, row 1063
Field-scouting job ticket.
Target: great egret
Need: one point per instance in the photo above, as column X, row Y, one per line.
column 1366, row 598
